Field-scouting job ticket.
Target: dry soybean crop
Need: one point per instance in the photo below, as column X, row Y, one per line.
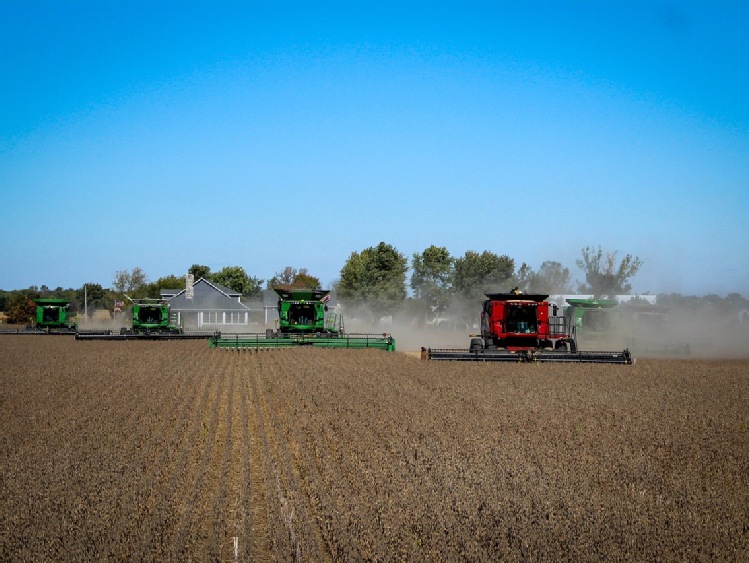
column 174, row 451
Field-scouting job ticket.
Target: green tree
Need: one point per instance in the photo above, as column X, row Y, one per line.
column 374, row 278
column 166, row 282
column 198, row 271
column 20, row 307
column 604, row 277
column 524, row 277
column 431, row 278
column 129, row 281
column 236, row 278
column 291, row 278
column 477, row 274
column 93, row 294
column 551, row 278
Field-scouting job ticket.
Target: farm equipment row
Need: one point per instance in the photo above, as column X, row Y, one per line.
column 304, row 320
column 521, row 327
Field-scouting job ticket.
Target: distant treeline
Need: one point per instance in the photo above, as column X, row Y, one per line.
column 378, row 279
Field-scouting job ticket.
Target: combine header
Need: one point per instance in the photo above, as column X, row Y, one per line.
column 522, row 327
column 303, row 320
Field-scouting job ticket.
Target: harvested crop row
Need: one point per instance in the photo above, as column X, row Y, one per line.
column 170, row 450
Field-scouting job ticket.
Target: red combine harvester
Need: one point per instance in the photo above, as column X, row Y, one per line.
column 523, row 327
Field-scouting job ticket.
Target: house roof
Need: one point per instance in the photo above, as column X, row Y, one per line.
column 208, row 296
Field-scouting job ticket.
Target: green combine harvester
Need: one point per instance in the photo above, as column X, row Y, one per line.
column 151, row 320
column 593, row 321
column 644, row 328
column 53, row 315
column 303, row 320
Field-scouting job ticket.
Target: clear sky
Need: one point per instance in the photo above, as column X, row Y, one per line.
column 273, row 134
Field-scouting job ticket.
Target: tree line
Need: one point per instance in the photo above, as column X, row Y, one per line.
column 374, row 279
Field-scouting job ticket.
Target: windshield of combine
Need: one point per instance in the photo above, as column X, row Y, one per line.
column 149, row 315
column 50, row 314
column 302, row 314
column 521, row 318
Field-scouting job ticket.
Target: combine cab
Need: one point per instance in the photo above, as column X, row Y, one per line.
column 521, row 327
column 304, row 320
column 304, row 311
column 151, row 316
column 52, row 316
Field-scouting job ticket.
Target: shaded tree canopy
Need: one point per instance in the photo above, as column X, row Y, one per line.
column 198, row 271
column 128, row 281
column 235, row 277
column 432, row 274
column 20, row 307
column 376, row 278
column 166, row 282
column 291, row 278
column 604, row 277
column 476, row 274
column 90, row 297
column 551, row 278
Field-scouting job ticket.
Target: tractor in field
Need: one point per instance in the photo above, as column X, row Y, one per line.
column 304, row 319
column 523, row 327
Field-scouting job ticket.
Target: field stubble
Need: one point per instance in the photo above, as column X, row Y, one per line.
column 169, row 450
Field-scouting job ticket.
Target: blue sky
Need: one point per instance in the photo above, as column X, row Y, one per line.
column 273, row 134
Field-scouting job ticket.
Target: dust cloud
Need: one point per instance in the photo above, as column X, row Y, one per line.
column 700, row 333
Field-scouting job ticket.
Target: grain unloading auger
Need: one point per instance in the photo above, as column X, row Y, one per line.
column 522, row 327
column 303, row 320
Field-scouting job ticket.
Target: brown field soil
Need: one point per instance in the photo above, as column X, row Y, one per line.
column 170, row 450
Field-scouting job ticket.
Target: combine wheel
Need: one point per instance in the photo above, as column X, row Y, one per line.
column 476, row 344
